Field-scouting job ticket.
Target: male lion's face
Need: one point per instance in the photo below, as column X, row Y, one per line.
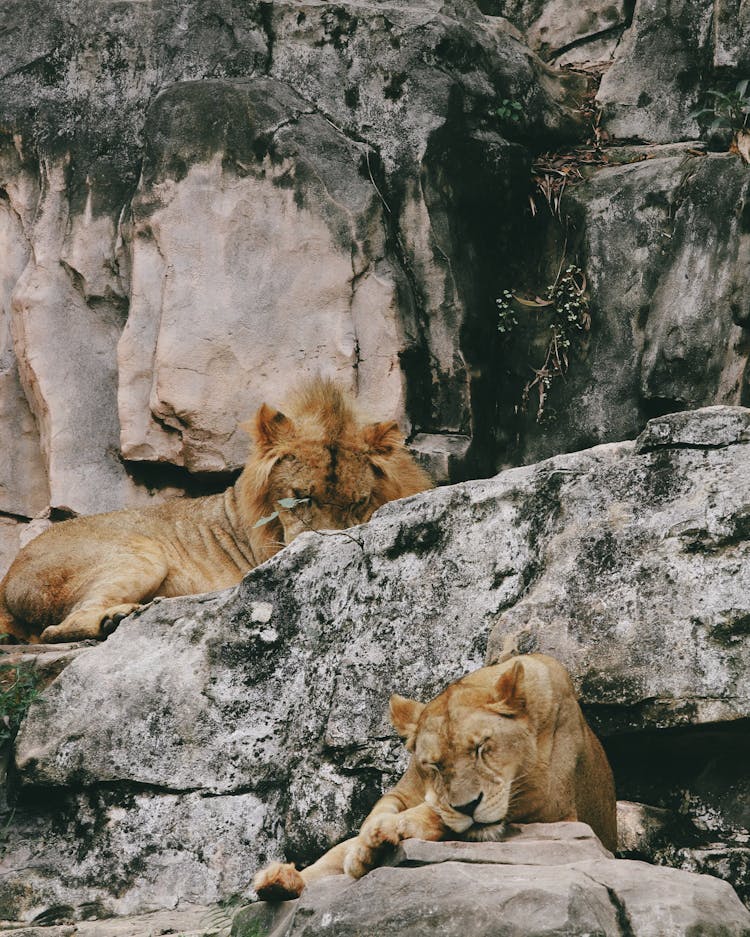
column 471, row 746
column 335, row 486
column 335, row 477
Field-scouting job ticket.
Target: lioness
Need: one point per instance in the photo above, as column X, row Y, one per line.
column 505, row 743
column 81, row 577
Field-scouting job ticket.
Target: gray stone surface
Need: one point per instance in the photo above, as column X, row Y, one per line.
column 584, row 32
column 193, row 717
column 187, row 922
column 522, row 844
column 662, row 242
column 712, row 427
column 655, row 82
column 731, row 31
column 470, row 892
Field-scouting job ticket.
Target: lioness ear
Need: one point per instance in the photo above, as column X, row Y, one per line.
column 405, row 715
column 510, row 689
column 382, row 438
column 270, row 427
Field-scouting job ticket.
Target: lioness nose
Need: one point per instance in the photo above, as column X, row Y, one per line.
column 469, row 808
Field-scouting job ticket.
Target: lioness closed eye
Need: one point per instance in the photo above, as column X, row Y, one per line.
column 81, row 577
column 505, row 743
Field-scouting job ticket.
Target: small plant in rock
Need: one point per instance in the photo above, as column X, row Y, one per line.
column 567, row 306
column 510, row 111
column 506, row 314
column 731, row 111
column 18, row 690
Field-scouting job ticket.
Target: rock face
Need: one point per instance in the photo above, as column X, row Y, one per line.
column 585, row 34
column 663, row 243
column 199, row 205
column 211, row 734
column 548, row 879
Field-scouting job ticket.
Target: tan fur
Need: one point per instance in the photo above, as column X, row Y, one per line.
column 507, row 743
column 81, row 577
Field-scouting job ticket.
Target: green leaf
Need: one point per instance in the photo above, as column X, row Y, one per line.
column 291, row 502
column 741, row 87
column 266, row 520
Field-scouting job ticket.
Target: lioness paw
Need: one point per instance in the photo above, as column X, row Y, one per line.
column 280, row 881
column 384, row 830
column 359, row 860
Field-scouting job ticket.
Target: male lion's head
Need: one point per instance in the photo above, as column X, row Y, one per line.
column 316, row 467
column 473, row 747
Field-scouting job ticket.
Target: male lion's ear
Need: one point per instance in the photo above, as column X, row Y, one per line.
column 510, row 689
column 382, row 438
column 405, row 715
column 270, row 427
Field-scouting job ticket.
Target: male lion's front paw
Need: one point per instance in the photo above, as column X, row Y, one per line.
column 280, row 881
column 114, row 615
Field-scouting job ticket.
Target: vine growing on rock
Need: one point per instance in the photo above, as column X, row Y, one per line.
column 566, row 304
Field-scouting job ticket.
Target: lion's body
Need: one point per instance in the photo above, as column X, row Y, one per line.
column 82, row 576
column 505, row 743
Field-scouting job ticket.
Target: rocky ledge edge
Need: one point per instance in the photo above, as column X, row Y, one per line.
column 544, row 879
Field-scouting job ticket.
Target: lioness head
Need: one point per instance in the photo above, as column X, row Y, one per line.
column 336, row 470
column 473, row 747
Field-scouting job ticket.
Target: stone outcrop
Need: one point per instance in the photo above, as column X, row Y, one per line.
column 211, row 734
column 584, row 34
column 663, row 243
column 199, row 205
column 547, row 879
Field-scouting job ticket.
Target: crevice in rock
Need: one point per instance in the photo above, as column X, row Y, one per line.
column 20, row 518
column 155, row 476
column 653, row 407
column 45, row 797
column 266, row 23
column 582, row 41
column 623, row 918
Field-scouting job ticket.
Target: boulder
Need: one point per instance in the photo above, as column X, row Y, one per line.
column 260, row 712
column 562, row 882
column 294, row 279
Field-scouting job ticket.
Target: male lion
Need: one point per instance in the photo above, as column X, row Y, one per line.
column 81, row 577
column 505, row 743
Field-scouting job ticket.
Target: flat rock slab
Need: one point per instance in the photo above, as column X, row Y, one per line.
column 709, row 428
column 464, row 888
column 524, row 844
column 189, row 922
